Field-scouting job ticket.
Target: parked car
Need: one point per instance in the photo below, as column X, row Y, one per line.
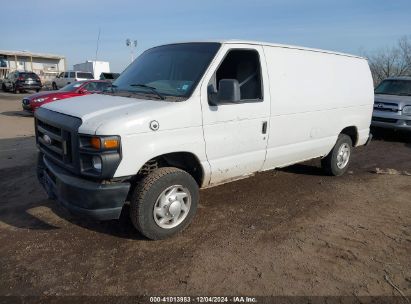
column 79, row 88
column 21, row 81
column 392, row 105
column 65, row 78
column 195, row 115
column 109, row 76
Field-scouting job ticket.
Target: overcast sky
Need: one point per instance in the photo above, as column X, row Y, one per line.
column 70, row 28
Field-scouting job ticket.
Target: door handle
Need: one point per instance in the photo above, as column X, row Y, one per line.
column 264, row 127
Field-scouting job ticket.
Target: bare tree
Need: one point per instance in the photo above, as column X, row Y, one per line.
column 404, row 45
column 394, row 61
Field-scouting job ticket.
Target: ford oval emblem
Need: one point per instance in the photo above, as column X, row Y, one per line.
column 47, row 139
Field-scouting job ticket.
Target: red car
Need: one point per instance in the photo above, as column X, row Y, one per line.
column 79, row 88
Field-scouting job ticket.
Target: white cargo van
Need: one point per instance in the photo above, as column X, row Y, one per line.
column 194, row 115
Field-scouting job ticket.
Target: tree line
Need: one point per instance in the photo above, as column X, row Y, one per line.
column 391, row 61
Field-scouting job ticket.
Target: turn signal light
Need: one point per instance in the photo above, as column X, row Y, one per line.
column 99, row 143
column 95, row 143
column 111, row 143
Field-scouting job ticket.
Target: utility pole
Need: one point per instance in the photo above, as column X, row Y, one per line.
column 95, row 57
column 132, row 46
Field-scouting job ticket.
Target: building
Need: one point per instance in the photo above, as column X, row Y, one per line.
column 94, row 67
column 46, row 66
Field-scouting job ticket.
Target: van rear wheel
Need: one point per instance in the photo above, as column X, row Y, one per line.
column 337, row 161
column 164, row 202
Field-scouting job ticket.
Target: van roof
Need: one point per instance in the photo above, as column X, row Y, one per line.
column 251, row 42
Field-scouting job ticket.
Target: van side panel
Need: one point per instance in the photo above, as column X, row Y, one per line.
column 314, row 96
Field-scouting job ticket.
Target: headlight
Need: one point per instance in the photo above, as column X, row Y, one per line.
column 406, row 110
column 40, row 99
column 99, row 155
column 96, row 161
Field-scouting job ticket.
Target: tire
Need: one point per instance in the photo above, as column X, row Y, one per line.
column 3, row 87
column 337, row 161
column 54, row 86
column 37, row 90
column 157, row 190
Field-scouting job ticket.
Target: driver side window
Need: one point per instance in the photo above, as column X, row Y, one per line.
column 244, row 66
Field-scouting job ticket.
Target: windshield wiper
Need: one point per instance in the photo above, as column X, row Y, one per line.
column 395, row 94
column 152, row 89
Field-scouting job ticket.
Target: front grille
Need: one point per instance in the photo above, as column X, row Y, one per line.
column 57, row 138
column 386, row 107
column 26, row 101
column 380, row 119
column 54, row 141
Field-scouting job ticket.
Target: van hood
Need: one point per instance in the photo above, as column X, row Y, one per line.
column 400, row 100
column 107, row 114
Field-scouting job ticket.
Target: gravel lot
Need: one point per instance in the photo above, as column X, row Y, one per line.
column 288, row 232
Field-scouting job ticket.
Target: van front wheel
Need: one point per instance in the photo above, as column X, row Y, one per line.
column 164, row 202
column 337, row 161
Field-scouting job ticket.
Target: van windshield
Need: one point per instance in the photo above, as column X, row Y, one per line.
column 171, row 70
column 394, row 87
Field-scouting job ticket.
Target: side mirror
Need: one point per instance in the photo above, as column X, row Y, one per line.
column 228, row 91
column 212, row 95
column 82, row 91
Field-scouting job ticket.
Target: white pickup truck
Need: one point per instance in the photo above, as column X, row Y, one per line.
column 66, row 78
column 194, row 115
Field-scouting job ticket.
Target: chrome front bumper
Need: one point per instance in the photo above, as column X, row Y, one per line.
column 391, row 120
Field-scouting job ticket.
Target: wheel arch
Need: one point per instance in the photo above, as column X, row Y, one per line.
column 352, row 132
column 183, row 160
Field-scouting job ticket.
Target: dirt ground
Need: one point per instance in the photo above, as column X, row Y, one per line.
column 288, row 232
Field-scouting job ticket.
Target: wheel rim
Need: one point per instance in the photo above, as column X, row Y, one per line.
column 172, row 206
column 343, row 155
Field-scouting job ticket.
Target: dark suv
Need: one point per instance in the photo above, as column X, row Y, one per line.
column 20, row 81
